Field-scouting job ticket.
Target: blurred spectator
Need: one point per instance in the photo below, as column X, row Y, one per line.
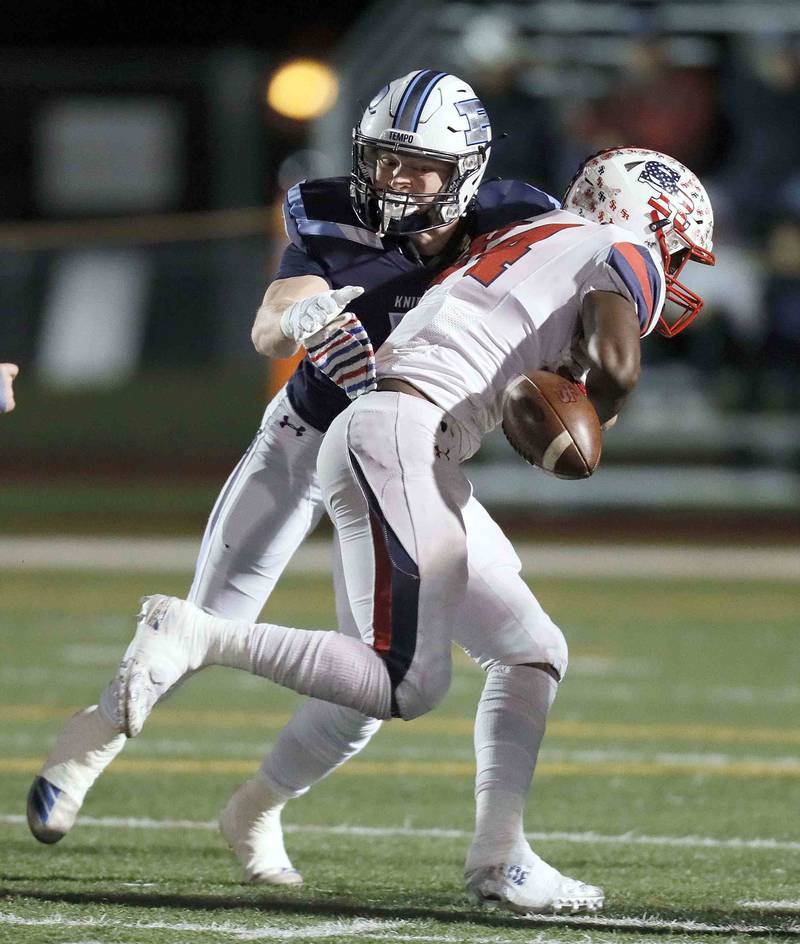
column 530, row 150
column 7, row 374
column 761, row 94
column 523, row 126
column 781, row 350
column 658, row 104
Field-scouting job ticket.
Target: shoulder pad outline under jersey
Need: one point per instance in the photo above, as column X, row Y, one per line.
column 300, row 226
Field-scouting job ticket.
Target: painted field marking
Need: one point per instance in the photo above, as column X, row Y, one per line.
column 393, row 929
column 651, row 561
column 436, row 724
column 408, row 768
column 771, row 905
column 372, row 928
column 15, row 745
column 329, row 929
column 582, row 838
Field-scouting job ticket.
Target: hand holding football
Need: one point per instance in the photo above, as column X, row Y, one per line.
column 551, row 423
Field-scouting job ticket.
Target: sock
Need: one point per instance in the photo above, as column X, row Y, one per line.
column 509, row 727
column 84, row 748
column 325, row 665
column 251, row 823
column 319, row 738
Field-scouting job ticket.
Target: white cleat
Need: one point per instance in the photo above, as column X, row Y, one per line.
column 532, row 887
column 251, row 825
column 51, row 811
column 84, row 748
column 168, row 645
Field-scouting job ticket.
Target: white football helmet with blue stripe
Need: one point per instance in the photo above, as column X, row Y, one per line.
column 663, row 203
column 423, row 114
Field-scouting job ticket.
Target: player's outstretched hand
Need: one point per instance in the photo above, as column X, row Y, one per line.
column 343, row 352
column 7, row 374
column 309, row 315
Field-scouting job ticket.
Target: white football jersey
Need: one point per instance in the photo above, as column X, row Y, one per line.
column 514, row 307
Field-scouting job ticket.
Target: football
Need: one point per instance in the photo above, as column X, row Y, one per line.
column 551, row 423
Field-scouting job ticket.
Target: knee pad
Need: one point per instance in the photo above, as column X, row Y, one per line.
column 555, row 650
column 419, row 695
column 547, row 644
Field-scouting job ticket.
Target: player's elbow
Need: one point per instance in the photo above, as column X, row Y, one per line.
column 268, row 339
column 258, row 338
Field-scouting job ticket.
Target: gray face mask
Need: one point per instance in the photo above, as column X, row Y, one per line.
column 388, row 212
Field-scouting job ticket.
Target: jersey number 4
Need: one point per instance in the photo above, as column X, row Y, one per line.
column 494, row 262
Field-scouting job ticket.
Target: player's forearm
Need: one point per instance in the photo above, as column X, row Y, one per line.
column 614, row 374
column 267, row 335
column 612, row 349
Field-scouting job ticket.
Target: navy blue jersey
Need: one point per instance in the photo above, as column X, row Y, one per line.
column 328, row 240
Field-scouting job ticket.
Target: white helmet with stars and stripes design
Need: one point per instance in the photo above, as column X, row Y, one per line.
column 663, row 203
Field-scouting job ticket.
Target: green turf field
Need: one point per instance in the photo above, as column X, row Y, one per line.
column 670, row 775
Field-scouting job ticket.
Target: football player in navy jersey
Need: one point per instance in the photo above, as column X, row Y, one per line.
column 362, row 251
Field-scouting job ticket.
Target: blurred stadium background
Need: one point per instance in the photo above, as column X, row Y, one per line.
column 143, row 166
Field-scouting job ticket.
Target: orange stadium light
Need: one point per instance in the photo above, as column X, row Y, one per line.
column 303, row 89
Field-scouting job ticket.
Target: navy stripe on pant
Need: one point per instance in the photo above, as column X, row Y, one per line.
column 395, row 631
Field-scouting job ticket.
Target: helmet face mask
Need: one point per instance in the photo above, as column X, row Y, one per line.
column 681, row 305
column 664, row 204
column 425, row 116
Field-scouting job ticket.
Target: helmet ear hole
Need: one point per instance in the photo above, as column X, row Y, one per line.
column 678, row 259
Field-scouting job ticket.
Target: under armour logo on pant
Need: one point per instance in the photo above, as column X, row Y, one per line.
column 441, row 453
column 298, row 430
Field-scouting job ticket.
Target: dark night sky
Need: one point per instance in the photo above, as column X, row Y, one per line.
column 274, row 25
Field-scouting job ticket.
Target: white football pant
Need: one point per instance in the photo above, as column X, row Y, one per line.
column 269, row 504
column 395, row 489
column 271, row 501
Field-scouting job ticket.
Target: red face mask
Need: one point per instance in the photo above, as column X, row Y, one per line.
column 685, row 304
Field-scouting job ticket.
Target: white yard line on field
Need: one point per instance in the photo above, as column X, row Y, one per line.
column 392, row 929
column 771, row 905
column 652, row 561
column 164, row 748
column 370, row 928
column 356, row 927
column 634, row 839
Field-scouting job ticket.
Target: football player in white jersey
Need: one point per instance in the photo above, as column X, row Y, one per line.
column 578, row 286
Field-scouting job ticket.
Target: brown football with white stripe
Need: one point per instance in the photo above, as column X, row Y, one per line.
column 551, row 423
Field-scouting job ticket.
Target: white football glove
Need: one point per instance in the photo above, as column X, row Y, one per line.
column 343, row 352
column 308, row 316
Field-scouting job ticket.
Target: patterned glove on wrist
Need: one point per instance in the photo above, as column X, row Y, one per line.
column 343, row 352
